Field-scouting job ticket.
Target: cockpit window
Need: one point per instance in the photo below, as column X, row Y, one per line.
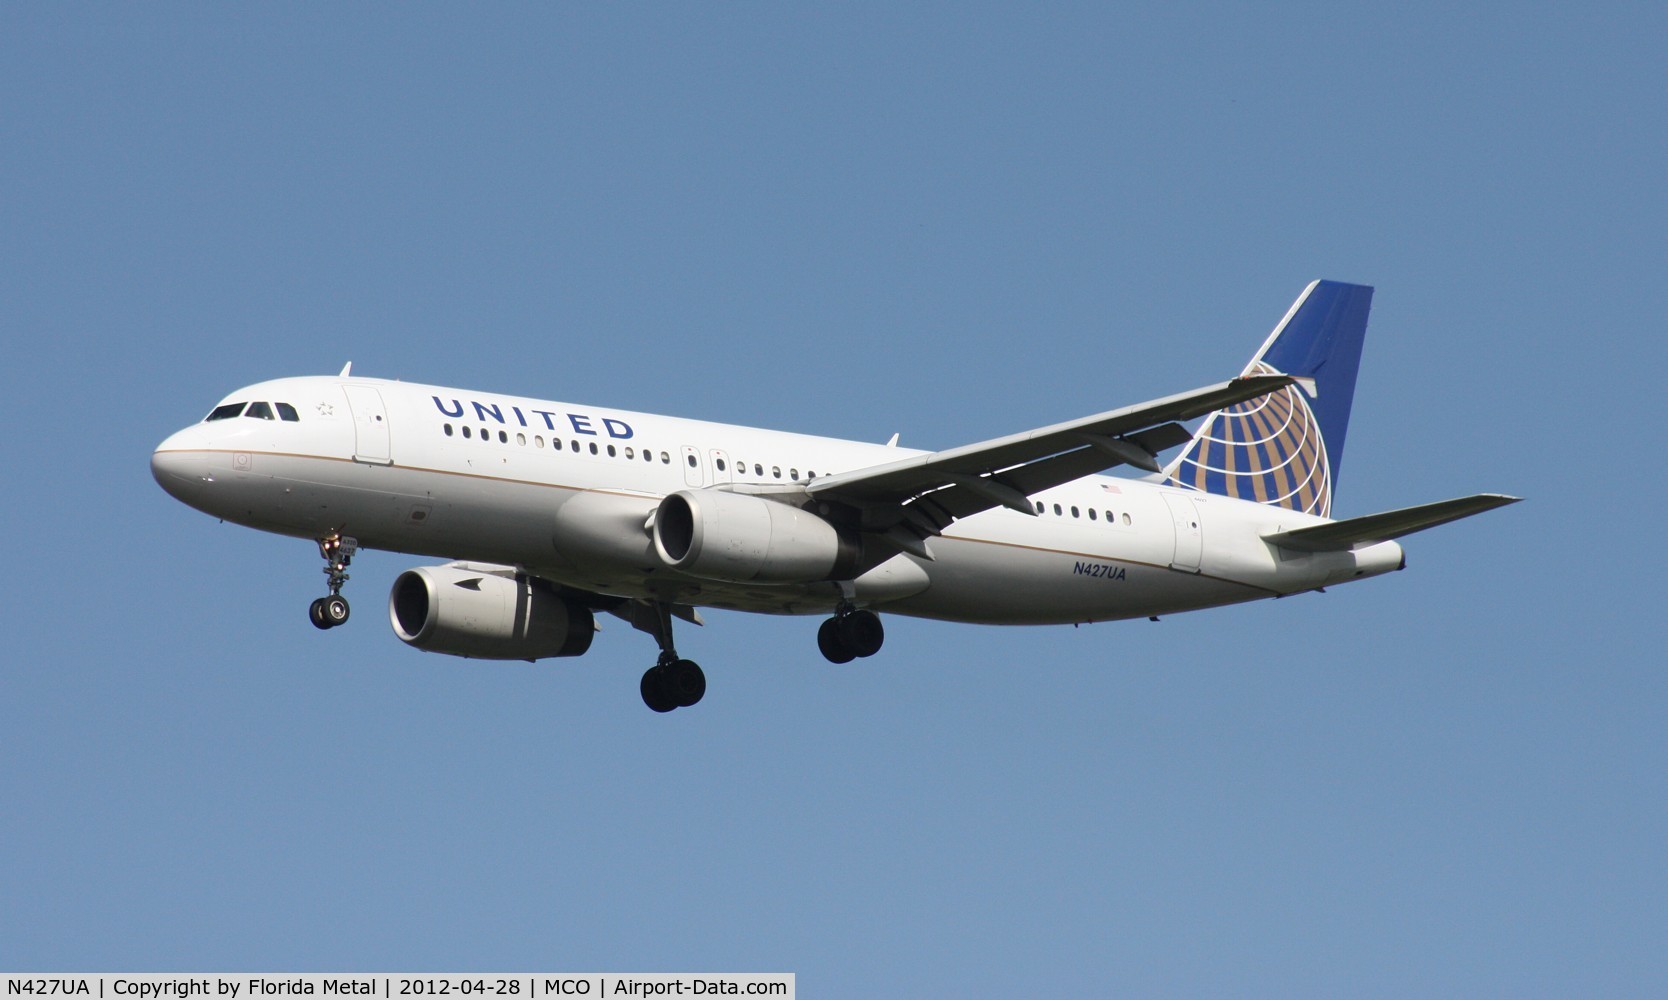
column 287, row 412
column 261, row 410
column 226, row 411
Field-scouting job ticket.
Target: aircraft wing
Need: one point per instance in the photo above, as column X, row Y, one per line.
column 917, row 497
column 1349, row 533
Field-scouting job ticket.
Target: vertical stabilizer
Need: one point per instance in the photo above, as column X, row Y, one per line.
column 1284, row 449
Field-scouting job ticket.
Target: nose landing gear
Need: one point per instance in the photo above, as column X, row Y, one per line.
column 337, row 552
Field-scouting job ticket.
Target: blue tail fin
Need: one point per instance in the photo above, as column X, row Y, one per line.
column 1284, row 448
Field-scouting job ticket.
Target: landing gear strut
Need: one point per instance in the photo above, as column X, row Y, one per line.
column 672, row 682
column 331, row 611
column 850, row 634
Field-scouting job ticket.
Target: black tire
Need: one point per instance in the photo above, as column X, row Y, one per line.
column 863, row 633
column 654, row 692
column 832, row 641
column 684, row 682
column 334, row 610
column 315, row 612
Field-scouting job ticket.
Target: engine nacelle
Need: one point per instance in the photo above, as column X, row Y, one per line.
column 465, row 611
column 738, row 538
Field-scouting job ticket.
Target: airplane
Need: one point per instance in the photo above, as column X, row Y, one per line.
column 551, row 513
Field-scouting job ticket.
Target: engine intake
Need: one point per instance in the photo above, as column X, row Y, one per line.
column 737, row 538
column 465, row 611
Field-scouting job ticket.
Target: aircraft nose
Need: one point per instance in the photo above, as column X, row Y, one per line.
column 180, row 464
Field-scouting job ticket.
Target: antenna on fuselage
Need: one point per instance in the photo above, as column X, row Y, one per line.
column 347, row 370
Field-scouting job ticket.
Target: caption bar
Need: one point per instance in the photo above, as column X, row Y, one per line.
column 399, row 986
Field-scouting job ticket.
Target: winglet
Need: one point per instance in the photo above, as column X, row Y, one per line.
column 347, row 370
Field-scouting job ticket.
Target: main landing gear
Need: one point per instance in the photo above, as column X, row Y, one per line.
column 850, row 634
column 672, row 682
column 329, row 612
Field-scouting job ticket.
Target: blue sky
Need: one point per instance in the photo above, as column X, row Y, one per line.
column 949, row 221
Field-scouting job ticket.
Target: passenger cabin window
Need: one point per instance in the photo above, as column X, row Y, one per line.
column 226, row 411
column 287, row 412
column 261, row 410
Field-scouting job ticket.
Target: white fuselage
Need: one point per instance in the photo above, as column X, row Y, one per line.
column 567, row 493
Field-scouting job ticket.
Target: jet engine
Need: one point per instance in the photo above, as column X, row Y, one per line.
column 738, row 538
column 479, row 612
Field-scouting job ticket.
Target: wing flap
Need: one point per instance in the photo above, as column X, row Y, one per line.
column 1354, row 531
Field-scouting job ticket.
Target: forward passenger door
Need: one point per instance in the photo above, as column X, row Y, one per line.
column 370, row 425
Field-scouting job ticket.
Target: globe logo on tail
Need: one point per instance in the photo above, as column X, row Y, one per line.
column 1267, row 449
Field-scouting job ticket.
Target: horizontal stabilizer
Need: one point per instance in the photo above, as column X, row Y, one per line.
column 1348, row 534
